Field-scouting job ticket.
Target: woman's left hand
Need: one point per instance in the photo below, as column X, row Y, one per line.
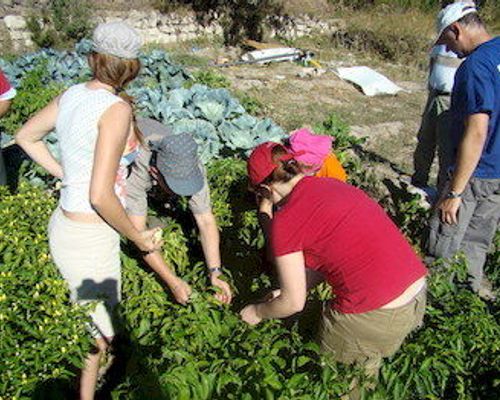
column 225, row 294
column 249, row 315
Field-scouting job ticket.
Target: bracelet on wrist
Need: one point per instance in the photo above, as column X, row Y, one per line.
column 214, row 270
column 453, row 195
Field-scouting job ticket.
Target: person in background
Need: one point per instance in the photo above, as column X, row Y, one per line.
column 324, row 229
column 172, row 162
column 468, row 213
column 7, row 93
column 97, row 139
column 314, row 152
column 434, row 132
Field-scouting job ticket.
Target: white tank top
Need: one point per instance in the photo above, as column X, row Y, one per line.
column 80, row 110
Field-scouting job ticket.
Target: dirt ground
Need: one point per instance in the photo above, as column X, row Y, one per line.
column 295, row 96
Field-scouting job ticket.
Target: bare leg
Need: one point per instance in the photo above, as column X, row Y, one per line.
column 88, row 379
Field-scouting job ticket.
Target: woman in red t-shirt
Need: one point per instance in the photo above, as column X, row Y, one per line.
column 324, row 229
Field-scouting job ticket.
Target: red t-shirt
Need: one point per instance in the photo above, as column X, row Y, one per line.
column 4, row 84
column 349, row 238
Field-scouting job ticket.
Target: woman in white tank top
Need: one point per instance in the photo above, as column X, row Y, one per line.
column 93, row 125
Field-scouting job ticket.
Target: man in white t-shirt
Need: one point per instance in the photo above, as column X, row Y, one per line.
column 434, row 128
column 435, row 125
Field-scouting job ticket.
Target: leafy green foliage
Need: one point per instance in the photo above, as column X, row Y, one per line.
column 209, row 78
column 456, row 355
column 216, row 119
column 337, row 128
column 205, row 351
column 40, row 36
column 63, row 22
column 43, row 334
column 252, row 105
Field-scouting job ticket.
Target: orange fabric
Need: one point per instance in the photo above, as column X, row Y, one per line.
column 332, row 168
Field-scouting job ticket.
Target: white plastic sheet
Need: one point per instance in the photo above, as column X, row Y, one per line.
column 272, row 55
column 371, row 82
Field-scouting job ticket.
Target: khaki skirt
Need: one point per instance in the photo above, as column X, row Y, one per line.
column 88, row 257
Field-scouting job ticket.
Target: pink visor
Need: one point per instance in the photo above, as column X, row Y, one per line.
column 310, row 149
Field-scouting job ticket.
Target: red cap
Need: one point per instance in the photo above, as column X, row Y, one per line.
column 260, row 163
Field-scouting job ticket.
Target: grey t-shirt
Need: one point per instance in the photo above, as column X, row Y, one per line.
column 139, row 181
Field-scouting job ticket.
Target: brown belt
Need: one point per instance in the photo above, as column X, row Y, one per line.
column 451, row 62
column 439, row 92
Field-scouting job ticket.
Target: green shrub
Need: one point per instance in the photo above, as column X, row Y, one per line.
column 240, row 18
column 227, row 180
column 209, row 78
column 456, row 355
column 337, row 128
column 43, row 335
column 252, row 105
column 62, row 23
column 205, row 351
column 41, row 34
column 395, row 47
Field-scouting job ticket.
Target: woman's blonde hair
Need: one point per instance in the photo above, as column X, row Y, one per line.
column 114, row 71
column 117, row 72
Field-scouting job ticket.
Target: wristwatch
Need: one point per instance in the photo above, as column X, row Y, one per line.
column 214, row 270
column 453, row 195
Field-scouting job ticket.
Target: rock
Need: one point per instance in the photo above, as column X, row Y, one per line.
column 311, row 72
column 191, row 28
column 14, row 22
column 247, row 84
column 382, row 131
column 167, row 29
column 222, row 60
column 135, row 15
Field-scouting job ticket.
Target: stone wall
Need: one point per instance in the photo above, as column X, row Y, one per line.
column 161, row 28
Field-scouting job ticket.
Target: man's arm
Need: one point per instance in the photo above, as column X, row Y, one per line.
column 178, row 287
column 210, row 241
column 138, row 183
column 209, row 237
column 468, row 156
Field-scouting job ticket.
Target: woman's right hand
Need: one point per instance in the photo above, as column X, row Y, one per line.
column 264, row 205
column 147, row 242
column 181, row 290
